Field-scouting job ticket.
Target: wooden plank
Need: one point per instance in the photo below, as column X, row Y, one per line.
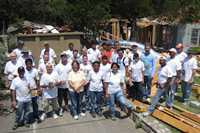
column 191, row 116
column 180, row 109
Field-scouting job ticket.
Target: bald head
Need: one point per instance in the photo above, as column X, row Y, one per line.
column 84, row 51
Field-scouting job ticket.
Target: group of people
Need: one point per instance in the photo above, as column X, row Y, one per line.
column 95, row 74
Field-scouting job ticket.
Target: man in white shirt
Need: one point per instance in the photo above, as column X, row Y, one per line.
column 86, row 68
column 175, row 66
column 94, row 52
column 69, row 52
column 189, row 70
column 10, row 72
column 75, row 56
column 134, row 50
column 42, row 63
column 32, row 74
column 84, row 52
column 164, row 78
column 21, row 87
column 18, row 50
column 25, row 56
column 63, row 69
column 50, row 50
column 50, row 82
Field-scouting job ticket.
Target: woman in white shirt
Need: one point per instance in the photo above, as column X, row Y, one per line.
column 76, row 80
column 114, row 89
column 95, row 78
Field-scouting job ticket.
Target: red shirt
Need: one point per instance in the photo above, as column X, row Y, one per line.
column 108, row 54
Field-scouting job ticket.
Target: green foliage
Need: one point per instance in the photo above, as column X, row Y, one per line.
column 196, row 50
column 138, row 123
column 12, row 42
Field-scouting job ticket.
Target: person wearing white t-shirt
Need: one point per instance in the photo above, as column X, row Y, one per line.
column 69, row 52
column 114, row 89
column 133, row 51
column 52, row 54
column 32, row 74
column 25, row 56
column 50, row 82
column 86, row 68
column 84, row 52
column 163, row 80
column 175, row 65
column 21, row 87
column 10, row 72
column 50, row 59
column 136, row 76
column 190, row 66
column 94, row 52
column 18, row 51
column 75, row 56
column 96, row 78
column 63, row 69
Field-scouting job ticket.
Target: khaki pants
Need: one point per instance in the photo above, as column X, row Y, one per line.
column 46, row 103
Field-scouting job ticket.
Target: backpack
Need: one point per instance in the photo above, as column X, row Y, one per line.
column 122, row 61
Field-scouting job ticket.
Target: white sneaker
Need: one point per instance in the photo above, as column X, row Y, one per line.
column 146, row 114
column 163, row 104
column 148, row 99
column 66, row 107
column 82, row 114
column 54, row 115
column 76, row 117
column 43, row 116
column 61, row 112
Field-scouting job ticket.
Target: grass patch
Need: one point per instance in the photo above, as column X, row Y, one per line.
column 197, row 80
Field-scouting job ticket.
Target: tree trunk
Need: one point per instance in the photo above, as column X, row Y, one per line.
column 133, row 30
column 122, row 30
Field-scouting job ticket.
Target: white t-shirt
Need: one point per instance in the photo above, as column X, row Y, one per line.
column 52, row 54
column 11, row 69
column 174, row 64
column 23, row 59
column 114, row 56
column 96, row 80
column 136, row 68
column 114, row 80
column 21, row 87
column 89, row 59
column 63, row 72
column 181, row 56
column 131, row 54
column 105, row 69
column 122, row 65
column 86, row 69
column 70, row 53
column 189, row 65
column 50, row 60
column 95, row 54
column 42, row 65
column 46, row 78
column 163, row 74
column 18, row 52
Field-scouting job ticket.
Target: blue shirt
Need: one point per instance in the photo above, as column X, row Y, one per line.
column 149, row 64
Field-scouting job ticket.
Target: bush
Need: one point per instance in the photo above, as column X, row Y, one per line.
column 196, row 50
column 12, row 42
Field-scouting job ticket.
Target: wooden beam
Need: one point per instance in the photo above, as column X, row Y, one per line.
column 191, row 116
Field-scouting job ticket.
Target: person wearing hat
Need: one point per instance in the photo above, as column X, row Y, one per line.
column 10, row 72
column 94, row 52
column 163, row 80
column 176, row 67
column 69, row 52
column 107, row 52
column 189, row 70
column 50, row 82
column 63, row 69
column 18, row 51
column 52, row 54
column 133, row 51
column 21, row 87
column 25, row 56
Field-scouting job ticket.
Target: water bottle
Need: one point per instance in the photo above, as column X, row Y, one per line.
column 183, row 71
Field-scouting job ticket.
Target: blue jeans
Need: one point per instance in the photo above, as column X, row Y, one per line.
column 19, row 110
column 76, row 100
column 86, row 91
column 92, row 97
column 159, row 93
column 35, row 106
column 186, row 91
column 171, row 87
column 147, row 82
column 120, row 97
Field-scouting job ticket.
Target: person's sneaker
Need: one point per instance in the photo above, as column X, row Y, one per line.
column 175, row 94
column 146, row 114
column 82, row 114
column 113, row 118
column 171, row 108
column 27, row 125
column 148, row 99
column 94, row 116
column 66, row 108
column 76, row 117
column 54, row 115
column 61, row 112
column 12, row 109
column 163, row 104
column 43, row 116
column 14, row 127
column 100, row 114
column 185, row 103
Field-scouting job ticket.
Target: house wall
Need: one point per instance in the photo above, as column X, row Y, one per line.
column 59, row 42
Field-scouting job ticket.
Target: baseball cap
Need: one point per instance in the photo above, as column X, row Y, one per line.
column 21, row 69
column 63, row 54
column 190, row 51
column 20, row 42
column 134, row 44
column 180, row 46
column 163, row 57
column 172, row 50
